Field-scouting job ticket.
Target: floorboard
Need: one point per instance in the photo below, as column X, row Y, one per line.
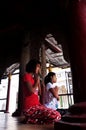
column 7, row 122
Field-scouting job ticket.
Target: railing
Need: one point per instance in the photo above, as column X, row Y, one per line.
column 66, row 100
column 3, row 104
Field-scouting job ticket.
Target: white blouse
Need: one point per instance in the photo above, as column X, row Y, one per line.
column 49, row 100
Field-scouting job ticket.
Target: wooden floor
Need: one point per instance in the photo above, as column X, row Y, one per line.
column 7, row 122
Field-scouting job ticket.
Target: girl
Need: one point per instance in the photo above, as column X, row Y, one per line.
column 51, row 91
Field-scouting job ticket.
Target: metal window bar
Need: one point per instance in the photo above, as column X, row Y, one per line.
column 67, row 98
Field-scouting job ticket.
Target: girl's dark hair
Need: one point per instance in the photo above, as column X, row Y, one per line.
column 31, row 65
column 47, row 78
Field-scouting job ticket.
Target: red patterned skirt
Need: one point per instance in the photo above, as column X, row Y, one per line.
column 39, row 114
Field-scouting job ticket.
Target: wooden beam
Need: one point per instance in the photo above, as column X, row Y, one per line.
column 52, row 46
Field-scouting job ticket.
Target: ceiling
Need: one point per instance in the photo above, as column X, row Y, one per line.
column 54, row 55
column 54, row 52
column 42, row 18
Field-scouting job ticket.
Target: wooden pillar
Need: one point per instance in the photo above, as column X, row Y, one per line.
column 76, row 116
column 34, row 46
column 43, row 70
column 25, row 57
column 30, row 49
column 77, row 48
column 8, row 93
column 43, row 60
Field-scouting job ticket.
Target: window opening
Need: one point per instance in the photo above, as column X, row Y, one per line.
column 57, row 63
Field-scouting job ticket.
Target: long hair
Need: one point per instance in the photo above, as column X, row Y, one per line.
column 47, row 78
column 31, row 65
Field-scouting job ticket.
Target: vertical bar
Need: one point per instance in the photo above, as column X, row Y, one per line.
column 8, row 93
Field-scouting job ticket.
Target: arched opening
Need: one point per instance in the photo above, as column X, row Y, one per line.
column 9, row 89
column 56, row 62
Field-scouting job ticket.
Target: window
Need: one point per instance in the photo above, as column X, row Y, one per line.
column 64, row 83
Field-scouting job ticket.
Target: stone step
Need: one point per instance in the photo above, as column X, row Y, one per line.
column 62, row 125
column 74, row 118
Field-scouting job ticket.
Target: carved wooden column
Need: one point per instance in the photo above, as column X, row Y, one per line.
column 25, row 57
column 43, row 70
column 34, row 45
column 76, row 116
column 30, row 49
column 43, row 60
